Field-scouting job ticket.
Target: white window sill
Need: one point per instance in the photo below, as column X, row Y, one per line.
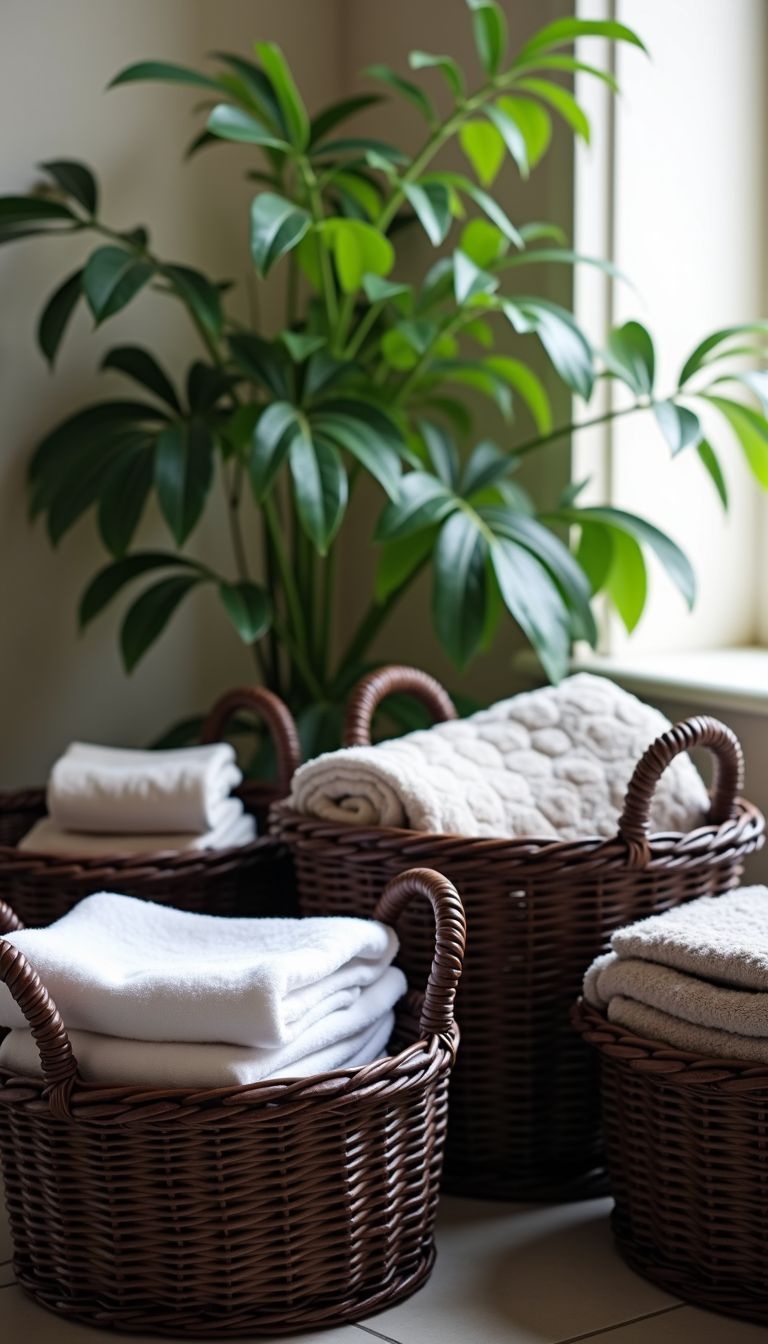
column 728, row 678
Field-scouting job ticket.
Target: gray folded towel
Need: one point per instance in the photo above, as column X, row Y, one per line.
column 695, row 977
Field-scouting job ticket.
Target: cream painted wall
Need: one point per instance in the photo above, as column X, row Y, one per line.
column 55, row 60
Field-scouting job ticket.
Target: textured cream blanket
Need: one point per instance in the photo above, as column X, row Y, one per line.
column 550, row 763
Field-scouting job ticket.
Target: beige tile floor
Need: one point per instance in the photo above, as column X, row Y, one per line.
column 506, row 1274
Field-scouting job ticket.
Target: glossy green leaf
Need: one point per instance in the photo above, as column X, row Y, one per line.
column 483, row 243
column 562, row 101
column 320, row 487
column 63, row 455
column 277, row 225
column 698, row 357
column 569, row 66
column 675, row 562
column 564, row 342
column 423, row 501
column 232, row 123
column 751, row 431
column 540, row 230
column 291, row 103
column 483, row 144
column 361, row 147
column 594, row 553
column 76, row 179
column 109, row 580
column 18, row 211
column 399, row 560
column 712, row 464
column 528, row 385
column 442, row 453
column 365, row 195
column 111, row 278
column 532, row 121
column 358, row 249
column 487, row 204
column 270, row 443
column 248, row 608
column 385, row 75
column 487, row 464
column 478, row 376
column 565, row 31
column 627, row 580
column 459, row 592
column 550, row 551
column 368, row 435
column 379, row 290
column 301, row 344
column 424, row 60
column 183, row 475
column 57, row 313
column 490, row 31
column 165, row 71
column 148, row 616
column 511, row 135
column 681, row 428
column 335, row 113
column 432, row 205
column 469, row 280
column 199, row 294
column 206, row 385
column 631, row 357
column 263, row 362
column 140, row 365
column 534, row 601
column 123, row 496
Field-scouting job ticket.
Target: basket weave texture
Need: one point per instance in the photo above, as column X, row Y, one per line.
column 247, row 879
column 686, row 1140
column 283, row 1206
column 524, row 1112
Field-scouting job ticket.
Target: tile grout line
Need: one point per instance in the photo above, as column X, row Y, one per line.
column 621, row 1325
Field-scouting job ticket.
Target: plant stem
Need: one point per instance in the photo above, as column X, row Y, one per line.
column 541, row 441
column 370, row 625
column 318, row 215
column 297, row 636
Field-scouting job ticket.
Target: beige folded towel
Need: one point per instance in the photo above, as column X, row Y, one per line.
column 723, row 939
column 654, row 1025
column 686, row 997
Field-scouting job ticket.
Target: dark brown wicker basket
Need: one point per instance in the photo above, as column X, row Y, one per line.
column 245, row 879
column 279, row 1207
column 686, row 1145
column 524, row 1103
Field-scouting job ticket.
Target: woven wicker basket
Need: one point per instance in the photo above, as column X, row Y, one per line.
column 245, row 879
column 524, row 1103
column 267, row 1209
column 686, row 1146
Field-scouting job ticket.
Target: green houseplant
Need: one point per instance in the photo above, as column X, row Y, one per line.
column 368, row 376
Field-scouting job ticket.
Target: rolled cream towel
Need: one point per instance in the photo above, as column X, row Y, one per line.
column 235, row 828
column 553, row 764
column 107, row 789
column 347, row 1038
column 139, row 970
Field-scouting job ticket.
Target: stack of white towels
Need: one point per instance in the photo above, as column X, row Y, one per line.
column 695, row 978
column 111, row 801
column 163, row 998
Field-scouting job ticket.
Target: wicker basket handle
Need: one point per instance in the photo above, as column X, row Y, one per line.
column 450, row 937
column 276, row 716
column 376, row 686
column 59, row 1064
column 703, row 731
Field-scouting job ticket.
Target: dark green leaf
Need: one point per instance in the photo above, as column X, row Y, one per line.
column 144, row 368
column 477, row 376
column 183, row 475
column 533, row 123
column 112, row 277
column 23, row 210
column 206, row 385
column 349, row 426
column 423, row 60
column 123, row 496
column 330, row 117
column 56, row 314
column 148, row 616
column 680, row 427
column 459, row 594
column 533, row 600
column 442, row 452
column 565, row 31
column 406, row 87
column 271, row 440
column 199, row 293
column 511, row 136
column 487, row 465
column 116, row 575
column 547, row 548
column 71, row 494
column 248, row 608
column 668, row 552
column 490, row 30
column 277, row 225
column 469, row 280
column 76, row 180
column 569, row 66
column 563, row 340
column 432, row 204
column 320, row 486
column 256, row 87
column 301, row 344
column 88, row 437
column 165, row 71
column 263, row 362
column 287, row 94
column 699, row 356
column 231, row 123
column 424, row 500
column 487, row 204
column 631, row 357
column 527, row 384
column 360, row 146
column 712, row 463
column 398, row 560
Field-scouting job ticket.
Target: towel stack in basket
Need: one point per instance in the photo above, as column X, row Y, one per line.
column 105, row 800
column 695, row 978
column 165, row 998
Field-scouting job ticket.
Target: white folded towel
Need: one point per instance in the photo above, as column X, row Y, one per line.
column 347, row 1038
column 550, row 763
column 235, row 827
column 107, row 789
column 132, row 968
